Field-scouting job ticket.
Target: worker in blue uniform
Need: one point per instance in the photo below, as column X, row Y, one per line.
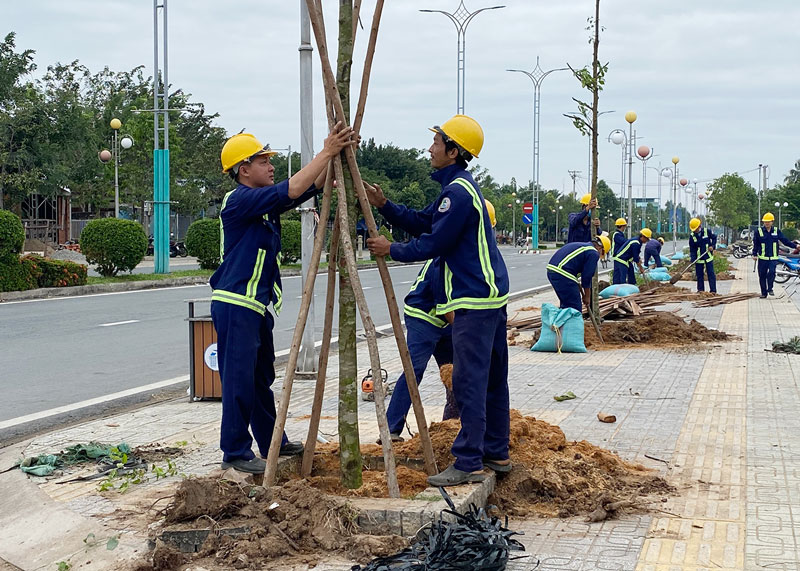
column 702, row 243
column 628, row 256
column 580, row 223
column 653, row 250
column 247, row 282
column 572, row 268
column 765, row 250
column 621, row 272
column 428, row 335
column 456, row 228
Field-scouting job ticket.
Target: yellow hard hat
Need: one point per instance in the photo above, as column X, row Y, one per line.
column 694, row 224
column 463, row 131
column 768, row 217
column 586, row 198
column 660, row 239
column 490, row 210
column 621, row 222
column 605, row 242
column 646, row 232
column 242, row 147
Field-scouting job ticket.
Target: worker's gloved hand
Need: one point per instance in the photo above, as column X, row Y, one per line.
column 379, row 246
column 375, row 195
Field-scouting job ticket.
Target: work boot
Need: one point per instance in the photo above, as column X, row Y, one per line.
column 395, row 436
column 452, row 476
column 763, row 296
column 292, row 449
column 770, row 292
column 252, row 466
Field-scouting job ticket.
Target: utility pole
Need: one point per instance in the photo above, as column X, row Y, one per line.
column 573, row 175
column 760, row 166
column 306, row 361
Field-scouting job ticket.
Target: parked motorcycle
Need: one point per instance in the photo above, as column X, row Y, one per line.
column 787, row 268
column 177, row 249
column 742, row 250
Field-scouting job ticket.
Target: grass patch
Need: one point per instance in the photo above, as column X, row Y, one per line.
column 92, row 280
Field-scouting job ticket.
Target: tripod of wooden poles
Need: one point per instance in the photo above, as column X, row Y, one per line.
column 335, row 112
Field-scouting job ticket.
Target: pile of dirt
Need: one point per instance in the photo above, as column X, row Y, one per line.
column 658, row 328
column 295, row 522
column 552, row 477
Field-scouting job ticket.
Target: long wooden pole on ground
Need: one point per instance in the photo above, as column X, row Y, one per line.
column 332, row 95
column 322, row 368
column 294, row 350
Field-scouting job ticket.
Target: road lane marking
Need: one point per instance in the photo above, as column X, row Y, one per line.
column 118, row 323
column 59, row 298
column 91, row 402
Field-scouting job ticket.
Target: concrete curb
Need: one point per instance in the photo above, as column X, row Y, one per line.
column 51, row 292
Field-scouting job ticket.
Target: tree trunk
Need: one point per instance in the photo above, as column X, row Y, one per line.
column 349, row 445
column 595, row 308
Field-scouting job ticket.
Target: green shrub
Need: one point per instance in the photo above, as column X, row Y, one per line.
column 12, row 234
column 16, row 275
column 791, row 233
column 114, row 245
column 291, row 237
column 57, row 273
column 202, row 242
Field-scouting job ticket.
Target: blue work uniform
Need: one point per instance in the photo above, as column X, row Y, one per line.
column 617, row 243
column 246, row 282
column 580, row 226
column 765, row 247
column 652, row 249
column 474, row 284
column 624, row 261
column 428, row 335
column 569, row 262
column 699, row 242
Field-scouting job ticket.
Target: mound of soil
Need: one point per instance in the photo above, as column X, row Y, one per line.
column 294, row 520
column 657, row 328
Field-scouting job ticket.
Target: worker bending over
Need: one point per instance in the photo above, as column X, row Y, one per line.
column 702, row 243
column 765, row 250
column 580, row 223
column 572, row 268
column 653, row 250
column 627, row 256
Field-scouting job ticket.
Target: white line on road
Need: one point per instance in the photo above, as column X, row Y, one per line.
column 118, row 323
column 91, row 402
column 100, row 294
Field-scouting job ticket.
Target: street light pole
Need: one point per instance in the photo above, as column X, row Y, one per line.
column 675, row 161
column 630, row 117
column 537, row 77
column 161, row 200
column 618, row 137
column 643, row 153
column 461, row 19
column 780, row 206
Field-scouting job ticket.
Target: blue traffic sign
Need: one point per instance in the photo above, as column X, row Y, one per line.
column 527, row 218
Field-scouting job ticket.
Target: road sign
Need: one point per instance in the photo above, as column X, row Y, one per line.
column 527, row 208
column 527, row 218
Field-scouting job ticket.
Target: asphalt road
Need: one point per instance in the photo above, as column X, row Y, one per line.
column 60, row 351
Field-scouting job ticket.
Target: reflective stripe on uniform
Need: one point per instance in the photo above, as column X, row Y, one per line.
column 763, row 254
column 701, row 256
column 492, row 301
column 429, row 317
column 222, row 228
column 252, row 285
column 614, row 243
column 421, row 275
column 278, row 303
column 238, row 299
column 559, row 269
column 625, row 249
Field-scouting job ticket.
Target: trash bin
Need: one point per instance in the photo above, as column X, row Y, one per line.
column 204, row 381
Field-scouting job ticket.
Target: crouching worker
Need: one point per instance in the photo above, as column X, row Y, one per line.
column 247, row 281
column 569, row 262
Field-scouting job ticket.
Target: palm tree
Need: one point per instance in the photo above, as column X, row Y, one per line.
column 794, row 174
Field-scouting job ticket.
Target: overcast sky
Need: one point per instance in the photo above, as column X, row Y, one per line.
column 714, row 82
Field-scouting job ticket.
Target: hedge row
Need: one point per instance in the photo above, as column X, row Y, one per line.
column 34, row 271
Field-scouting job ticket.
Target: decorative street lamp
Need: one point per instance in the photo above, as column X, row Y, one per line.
column 461, row 19
column 675, row 161
column 618, row 137
column 630, row 117
column 556, row 212
column 537, row 77
column 694, row 207
column 105, row 155
column 683, row 182
column 779, row 206
column 643, row 153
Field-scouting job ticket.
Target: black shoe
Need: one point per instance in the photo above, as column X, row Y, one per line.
column 395, row 436
column 763, row 296
column 252, row 466
column 292, row 449
column 770, row 292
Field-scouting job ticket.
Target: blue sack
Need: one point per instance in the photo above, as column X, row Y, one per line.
column 658, row 276
column 619, row 290
column 666, row 261
column 678, row 256
column 562, row 331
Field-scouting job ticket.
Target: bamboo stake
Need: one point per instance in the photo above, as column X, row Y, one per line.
column 373, row 40
column 332, row 95
column 294, row 350
column 356, row 16
column 371, row 334
column 322, row 368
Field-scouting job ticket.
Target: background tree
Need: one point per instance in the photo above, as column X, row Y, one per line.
column 793, row 176
column 732, row 202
